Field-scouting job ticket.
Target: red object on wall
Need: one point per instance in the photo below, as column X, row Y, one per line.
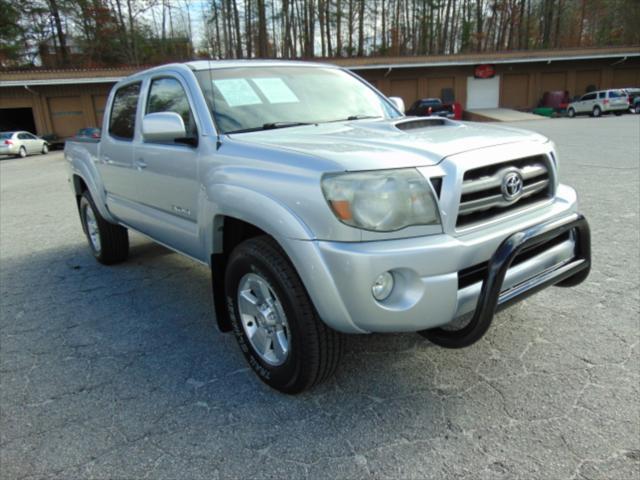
column 484, row 71
column 457, row 111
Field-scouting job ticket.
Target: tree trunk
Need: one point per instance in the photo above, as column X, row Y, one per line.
column 236, row 20
column 328, row 25
column 361, row 29
column 321, row 12
column 62, row 40
column 262, row 30
column 479, row 18
column 339, row 28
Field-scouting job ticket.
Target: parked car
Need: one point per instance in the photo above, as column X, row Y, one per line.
column 91, row 133
column 53, row 141
column 600, row 102
column 428, row 107
column 21, row 144
column 633, row 94
column 321, row 209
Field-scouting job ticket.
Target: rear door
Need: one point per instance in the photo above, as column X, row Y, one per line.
column 585, row 104
column 167, row 172
column 116, row 152
column 35, row 144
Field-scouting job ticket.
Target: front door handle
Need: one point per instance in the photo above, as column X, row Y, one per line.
column 140, row 163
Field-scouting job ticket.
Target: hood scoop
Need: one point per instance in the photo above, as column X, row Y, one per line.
column 421, row 123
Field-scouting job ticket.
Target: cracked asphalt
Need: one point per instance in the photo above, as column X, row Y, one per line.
column 119, row 372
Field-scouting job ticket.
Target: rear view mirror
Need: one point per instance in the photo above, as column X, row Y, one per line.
column 398, row 103
column 163, row 127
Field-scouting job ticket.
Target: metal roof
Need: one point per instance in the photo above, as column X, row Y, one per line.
column 74, row 77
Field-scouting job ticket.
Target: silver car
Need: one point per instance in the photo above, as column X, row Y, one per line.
column 597, row 103
column 21, row 144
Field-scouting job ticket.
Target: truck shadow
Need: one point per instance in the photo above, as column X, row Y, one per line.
column 142, row 334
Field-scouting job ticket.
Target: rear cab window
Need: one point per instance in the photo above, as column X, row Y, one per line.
column 122, row 120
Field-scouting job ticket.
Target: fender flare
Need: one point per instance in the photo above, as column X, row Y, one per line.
column 84, row 168
column 250, row 206
column 255, row 208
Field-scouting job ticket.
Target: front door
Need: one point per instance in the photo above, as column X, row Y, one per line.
column 167, row 173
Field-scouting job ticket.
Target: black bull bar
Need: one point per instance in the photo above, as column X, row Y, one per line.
column 492, row 299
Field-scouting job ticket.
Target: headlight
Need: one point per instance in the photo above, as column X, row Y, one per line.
column 382, row 201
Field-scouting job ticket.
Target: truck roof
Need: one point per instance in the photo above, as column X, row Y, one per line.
column 219, row 64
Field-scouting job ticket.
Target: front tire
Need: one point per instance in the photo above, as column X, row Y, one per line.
column 276, row 325
column 637, row 108
column 109, row 243
column 571, row 112
column 45, row 149
column 596, row 112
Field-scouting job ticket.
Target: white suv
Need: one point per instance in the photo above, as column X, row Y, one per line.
column 597, row 103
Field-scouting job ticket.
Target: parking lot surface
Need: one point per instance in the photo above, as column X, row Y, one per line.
column 119, row 372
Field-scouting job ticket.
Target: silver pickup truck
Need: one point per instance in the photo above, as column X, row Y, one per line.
column 321, row 209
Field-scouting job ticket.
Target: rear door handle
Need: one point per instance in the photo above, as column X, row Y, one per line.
column 140, row 163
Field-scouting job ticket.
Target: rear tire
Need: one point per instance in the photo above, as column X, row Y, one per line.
column 22, row 153
column 637, row 108
column 571, row 112
column 108, row 242
column 261, row 276
column 596, row 112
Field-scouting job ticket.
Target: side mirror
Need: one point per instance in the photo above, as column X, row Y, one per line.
column 163, row 127
column 398, row 103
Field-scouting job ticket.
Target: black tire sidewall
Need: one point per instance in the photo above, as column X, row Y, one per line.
column 45, row 149
column 572, row 113
column 241, row 263
column 597, row 112
column 22, row 153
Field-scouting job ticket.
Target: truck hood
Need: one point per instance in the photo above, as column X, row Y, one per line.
column 379, row 144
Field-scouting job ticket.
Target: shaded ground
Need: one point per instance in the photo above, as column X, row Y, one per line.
column 120, row 373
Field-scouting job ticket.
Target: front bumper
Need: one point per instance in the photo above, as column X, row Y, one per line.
column 427, row 270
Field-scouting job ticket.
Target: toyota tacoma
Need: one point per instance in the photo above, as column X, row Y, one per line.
column 321, row 209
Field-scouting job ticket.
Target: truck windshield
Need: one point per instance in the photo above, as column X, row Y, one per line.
column 256, row 98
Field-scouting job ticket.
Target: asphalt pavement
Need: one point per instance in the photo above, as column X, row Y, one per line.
column 119, row 372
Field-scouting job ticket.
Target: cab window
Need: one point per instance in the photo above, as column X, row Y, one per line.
column 167, row 95
column 589, row 96
column 122, row 121
column 602, row 94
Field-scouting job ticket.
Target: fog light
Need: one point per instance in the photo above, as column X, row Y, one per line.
column 383, row 286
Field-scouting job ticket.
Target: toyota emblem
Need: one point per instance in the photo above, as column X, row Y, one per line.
column 512, row 186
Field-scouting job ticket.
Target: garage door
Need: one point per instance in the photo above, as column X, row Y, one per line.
column 99, row 102
column 626, row 77
column 483, row 92
column 552, row 82
column 67, row 115
column 435, row 86
column 515, row 91
column 405, row 89
column 585, row 79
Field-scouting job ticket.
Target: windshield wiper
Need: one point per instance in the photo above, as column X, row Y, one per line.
column 354, row 117
column 271, row 126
